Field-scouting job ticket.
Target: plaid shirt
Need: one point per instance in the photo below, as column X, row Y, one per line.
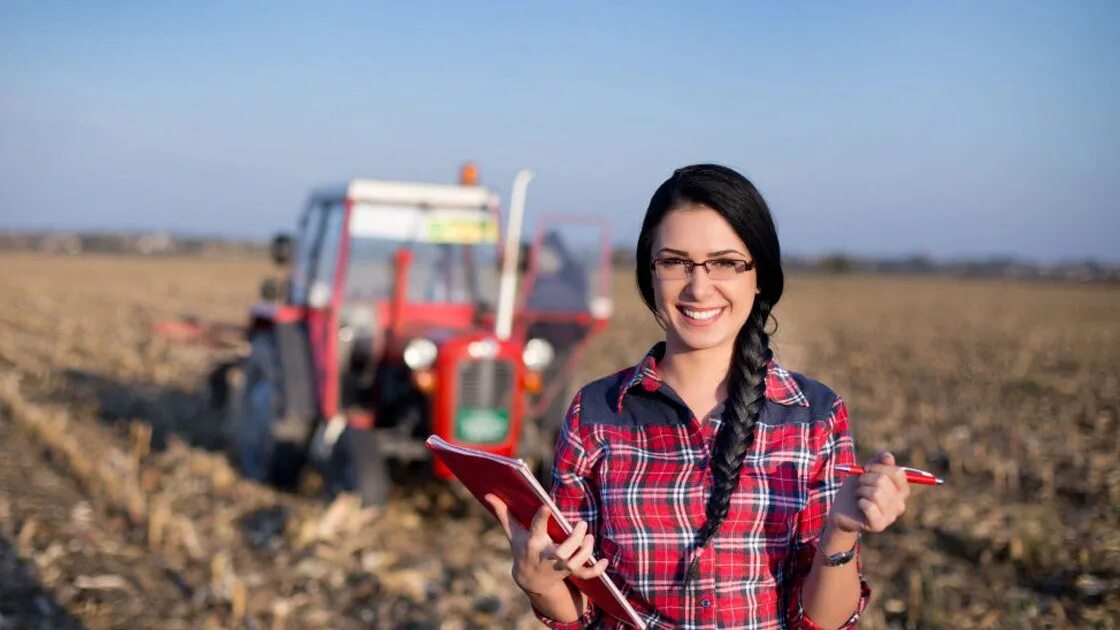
column 633, row 462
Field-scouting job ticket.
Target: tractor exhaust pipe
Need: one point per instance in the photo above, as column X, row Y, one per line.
column 507, row 290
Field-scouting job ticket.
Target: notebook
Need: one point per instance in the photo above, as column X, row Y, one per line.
column 511, row 481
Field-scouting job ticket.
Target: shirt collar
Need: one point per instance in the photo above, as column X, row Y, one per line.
column 781, row 388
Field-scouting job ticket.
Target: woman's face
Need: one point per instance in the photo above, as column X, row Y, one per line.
column 701, row 313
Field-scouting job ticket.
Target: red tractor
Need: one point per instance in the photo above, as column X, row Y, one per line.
column 400, row 319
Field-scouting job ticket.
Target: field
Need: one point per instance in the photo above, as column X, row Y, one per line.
column 118, row 509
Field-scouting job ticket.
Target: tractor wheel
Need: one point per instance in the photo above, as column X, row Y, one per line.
column 261, row 456
column 366, row 471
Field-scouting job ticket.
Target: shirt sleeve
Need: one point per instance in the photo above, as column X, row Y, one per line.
column 838, row 449
column 574, row 493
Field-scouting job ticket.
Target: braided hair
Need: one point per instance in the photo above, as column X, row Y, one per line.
column 740, row 204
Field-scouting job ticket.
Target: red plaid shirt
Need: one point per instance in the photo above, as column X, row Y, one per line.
column 633, row 462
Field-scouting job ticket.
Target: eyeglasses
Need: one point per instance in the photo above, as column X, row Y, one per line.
column 716, row 268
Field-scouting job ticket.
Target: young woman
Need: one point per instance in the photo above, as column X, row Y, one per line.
column 705, row 476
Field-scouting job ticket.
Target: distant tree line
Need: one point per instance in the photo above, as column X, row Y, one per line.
column 142, row 244
column 622, row 258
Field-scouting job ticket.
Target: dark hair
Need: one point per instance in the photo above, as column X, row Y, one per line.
column 740, row 204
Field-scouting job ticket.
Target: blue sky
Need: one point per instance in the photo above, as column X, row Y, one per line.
column 873, row 128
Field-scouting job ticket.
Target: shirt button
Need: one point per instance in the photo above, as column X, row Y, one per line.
column 705, row 602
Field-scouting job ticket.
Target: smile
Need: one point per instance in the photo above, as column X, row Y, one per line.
column 701, row 315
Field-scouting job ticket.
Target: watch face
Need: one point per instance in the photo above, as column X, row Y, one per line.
column 843, row 557
column 838, row 559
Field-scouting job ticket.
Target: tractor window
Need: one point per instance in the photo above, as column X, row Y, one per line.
column 484, row 271
column 326, row 264
column 439, row 275
column 567, row 267
column 369, row 275
column 440, row 272
column 317, row 255
column 309, row 229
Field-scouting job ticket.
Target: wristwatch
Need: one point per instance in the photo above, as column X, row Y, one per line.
column 842, row 558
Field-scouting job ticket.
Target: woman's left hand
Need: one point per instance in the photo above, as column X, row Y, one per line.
column 871, row 502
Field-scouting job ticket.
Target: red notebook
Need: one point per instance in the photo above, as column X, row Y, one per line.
column 511, row 481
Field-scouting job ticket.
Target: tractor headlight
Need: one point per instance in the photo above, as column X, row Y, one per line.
column 420, row 353
column 538, row 354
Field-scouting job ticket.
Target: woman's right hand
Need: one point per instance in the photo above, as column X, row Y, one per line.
column 540, row 565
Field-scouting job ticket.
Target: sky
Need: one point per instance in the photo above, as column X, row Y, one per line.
column 949, row 129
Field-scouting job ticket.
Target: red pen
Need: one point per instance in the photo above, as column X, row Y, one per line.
column 913, row 475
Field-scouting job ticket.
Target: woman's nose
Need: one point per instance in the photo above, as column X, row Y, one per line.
column 699, row 285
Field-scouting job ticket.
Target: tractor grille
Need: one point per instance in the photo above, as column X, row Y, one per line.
column 485, row 385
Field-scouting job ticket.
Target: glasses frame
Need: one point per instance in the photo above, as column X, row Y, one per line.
column 690, row 265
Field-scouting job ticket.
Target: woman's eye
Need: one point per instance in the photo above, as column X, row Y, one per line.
column 725, row 263
column 672, row 262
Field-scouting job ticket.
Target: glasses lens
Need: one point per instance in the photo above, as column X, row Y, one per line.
column 722, row 269
column 670, row 269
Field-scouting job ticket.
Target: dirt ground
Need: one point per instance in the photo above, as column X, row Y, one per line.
column 118, row 508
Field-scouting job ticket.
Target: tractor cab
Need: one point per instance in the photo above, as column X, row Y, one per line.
column 400, row 320
column 390, row 262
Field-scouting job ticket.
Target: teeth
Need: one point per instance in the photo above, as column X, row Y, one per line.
column 702, row 314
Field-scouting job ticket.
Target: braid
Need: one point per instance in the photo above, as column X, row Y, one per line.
column 746, row 391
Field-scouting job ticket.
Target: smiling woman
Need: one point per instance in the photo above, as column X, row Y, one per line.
column 706, row 476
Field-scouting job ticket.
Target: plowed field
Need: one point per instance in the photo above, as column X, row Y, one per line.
column 118, row 508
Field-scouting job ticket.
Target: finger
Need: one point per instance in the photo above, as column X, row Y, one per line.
column 870, row 478
column 890, row 501
column 878, row 496
column 872, row 515
column 566, row 548
column 866, row 492
column 898, row 476
column 882, row 493
column 883, row 457
column 586, row 573
column 878, row 473
column 547, row 555
column 890, row 507
column 539, row 527
column 581, row 556
column 501, row 512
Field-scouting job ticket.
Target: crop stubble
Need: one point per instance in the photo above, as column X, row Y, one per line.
column 1008, row 390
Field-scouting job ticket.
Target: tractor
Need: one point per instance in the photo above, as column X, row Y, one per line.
column 399, row 317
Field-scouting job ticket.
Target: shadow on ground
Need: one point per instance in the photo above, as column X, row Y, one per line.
column 24, row 603
column 192, row 417
column 188, row 415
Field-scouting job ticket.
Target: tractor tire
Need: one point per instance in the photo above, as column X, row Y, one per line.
column 367, row 471
column 261, row 455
